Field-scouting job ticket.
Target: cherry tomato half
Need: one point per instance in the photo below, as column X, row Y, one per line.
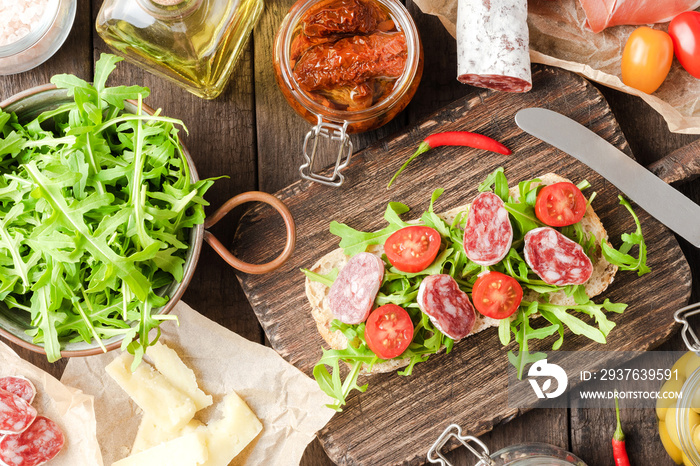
column 685, row 33
column 646, row 59
column 560, row 204
column 389, row 331
column 412, row 249
column 496, row 295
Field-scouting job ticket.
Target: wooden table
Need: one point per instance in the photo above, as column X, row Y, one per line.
column 250, row 134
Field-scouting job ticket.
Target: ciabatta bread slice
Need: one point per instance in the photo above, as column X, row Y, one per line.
column 317, row 293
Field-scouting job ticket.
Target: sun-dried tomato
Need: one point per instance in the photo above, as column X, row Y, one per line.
column 335, row 17
column 347, row 54
column 352, row 61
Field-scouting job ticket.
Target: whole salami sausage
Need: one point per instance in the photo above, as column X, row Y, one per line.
column 15, row 413
column 488, row 233
column 493, row 44
column 555, row 258
column 20, row 386
column 353, row 292
column 447, row 306
column 41, row 442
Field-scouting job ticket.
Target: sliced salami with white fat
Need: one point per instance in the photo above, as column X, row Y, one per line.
column 354, row 290
column 488, row 233
column 20, row 386
column 493, row 44
column 556, row 259
column 41, row 442
column 15, row 413
column 447, row 306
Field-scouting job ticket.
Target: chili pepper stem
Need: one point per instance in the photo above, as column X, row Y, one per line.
column 618, row 435
column 422, row 148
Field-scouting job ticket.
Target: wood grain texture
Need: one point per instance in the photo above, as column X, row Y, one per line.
column 390, row 423
column 680, row 165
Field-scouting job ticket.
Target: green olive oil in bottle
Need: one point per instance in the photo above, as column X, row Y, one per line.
column 194, row 43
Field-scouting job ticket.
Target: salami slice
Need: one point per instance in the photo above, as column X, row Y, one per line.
column 20, row 386
column 555, row 258
column 354, row 290
column 447, row 306
column 41, row 442
column 488, row 233
column 493, row 44
column 15, row 413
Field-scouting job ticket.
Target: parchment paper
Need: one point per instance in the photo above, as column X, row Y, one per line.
column 289, row 404
column 71, row 409
column 559, row 37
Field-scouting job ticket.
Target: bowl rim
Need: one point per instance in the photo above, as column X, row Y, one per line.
column 194, row 252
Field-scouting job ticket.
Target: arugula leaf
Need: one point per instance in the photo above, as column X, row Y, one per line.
column 354, row 242
column 327, row 279
column 620, row 257
column 95, row 216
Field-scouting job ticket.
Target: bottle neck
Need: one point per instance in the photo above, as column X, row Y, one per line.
column 170, row 9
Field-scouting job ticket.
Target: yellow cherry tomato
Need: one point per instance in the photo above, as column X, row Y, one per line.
column 681, row 364
column 671, row 426
column 673, row 451
column 663, row 402
column 646, row 59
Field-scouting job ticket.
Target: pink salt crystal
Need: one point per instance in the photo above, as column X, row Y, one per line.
column 19, row 17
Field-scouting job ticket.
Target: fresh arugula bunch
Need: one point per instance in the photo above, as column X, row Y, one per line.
column 401, row 288
column 96, row 210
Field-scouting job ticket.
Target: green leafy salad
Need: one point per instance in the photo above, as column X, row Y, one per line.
column 583, row 318
column 97, row 210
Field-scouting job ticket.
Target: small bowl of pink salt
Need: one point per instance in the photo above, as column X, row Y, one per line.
column 31, row 31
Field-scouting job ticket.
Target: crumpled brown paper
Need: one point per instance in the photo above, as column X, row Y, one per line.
column 559, row 37
column 71, row 409
column 289, row 404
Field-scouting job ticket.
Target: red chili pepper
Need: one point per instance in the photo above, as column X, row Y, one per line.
column 618, row 441
column 455, row 138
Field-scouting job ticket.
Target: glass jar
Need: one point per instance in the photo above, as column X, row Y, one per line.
column 336, row 121
column 679, row 417
column 193, row 43
column 529, row 454
column 49, row 25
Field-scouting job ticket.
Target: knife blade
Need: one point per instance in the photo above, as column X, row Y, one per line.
column 659, row 199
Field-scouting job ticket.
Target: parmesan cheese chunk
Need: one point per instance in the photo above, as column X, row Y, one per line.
column 188, row 450
column 230, row 434
column 151, row 434
column 182, row 377
column 156, row 396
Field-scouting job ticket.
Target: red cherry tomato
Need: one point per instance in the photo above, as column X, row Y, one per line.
column 389, row 331
column 496, row 295
column 412, row 249
column 646, row 59
column 685, row 33
column 560, row 204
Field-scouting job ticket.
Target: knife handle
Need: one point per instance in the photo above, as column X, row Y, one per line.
column 681, row 165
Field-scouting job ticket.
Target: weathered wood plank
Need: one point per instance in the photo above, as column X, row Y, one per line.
column 394, row 432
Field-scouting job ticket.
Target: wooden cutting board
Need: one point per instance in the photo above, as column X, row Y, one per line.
column 398, row 418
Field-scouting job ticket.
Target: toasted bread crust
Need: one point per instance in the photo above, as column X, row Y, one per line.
column 317, row 293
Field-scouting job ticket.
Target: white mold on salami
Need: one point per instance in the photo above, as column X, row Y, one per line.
column 16, row 415
column 493, row 44
column 20, row 386
column 352, row 294
column 40, row 443
column 488, row 233
column 448, row 307
column 556, row 259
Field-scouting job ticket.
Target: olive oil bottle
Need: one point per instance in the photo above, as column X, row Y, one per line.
column 194, row 43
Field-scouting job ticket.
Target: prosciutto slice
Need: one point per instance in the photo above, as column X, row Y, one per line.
column 601, row 14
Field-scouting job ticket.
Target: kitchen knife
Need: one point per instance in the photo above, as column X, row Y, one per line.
column 659, row 199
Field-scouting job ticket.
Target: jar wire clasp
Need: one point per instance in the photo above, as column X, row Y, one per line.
column 681, row 316
column 454, row 431
column 334, row 132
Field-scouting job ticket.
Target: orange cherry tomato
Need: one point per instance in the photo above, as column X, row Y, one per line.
column 389, row 331
column 646, row 59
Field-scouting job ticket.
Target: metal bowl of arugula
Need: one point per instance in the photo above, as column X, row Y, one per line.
column 101, row 217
